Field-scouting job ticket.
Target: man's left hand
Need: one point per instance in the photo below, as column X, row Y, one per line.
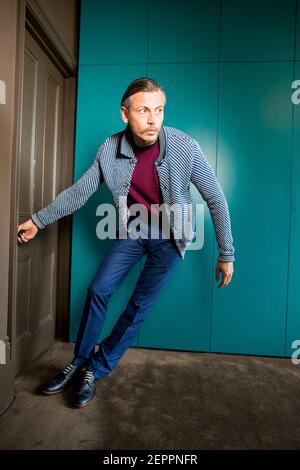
column 226, row 268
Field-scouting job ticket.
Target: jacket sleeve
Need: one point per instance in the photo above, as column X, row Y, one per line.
column 204, row 178
column 72, row 198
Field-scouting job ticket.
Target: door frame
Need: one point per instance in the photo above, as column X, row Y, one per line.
column 31, row 17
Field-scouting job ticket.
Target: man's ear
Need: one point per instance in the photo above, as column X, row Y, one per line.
column 124, row 114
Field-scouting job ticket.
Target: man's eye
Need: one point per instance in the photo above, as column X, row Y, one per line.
column 141, row 110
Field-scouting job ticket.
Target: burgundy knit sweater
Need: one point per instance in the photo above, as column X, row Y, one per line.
column 144, row 188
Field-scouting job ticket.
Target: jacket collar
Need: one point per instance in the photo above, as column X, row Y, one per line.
column 125, row 150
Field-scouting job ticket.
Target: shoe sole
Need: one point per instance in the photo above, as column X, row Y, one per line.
column 85, row 404
column 44, row 392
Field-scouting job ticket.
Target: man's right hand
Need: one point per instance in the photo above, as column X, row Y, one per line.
column 30, row 231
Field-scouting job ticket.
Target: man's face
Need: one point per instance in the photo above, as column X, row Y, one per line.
column 145, row 116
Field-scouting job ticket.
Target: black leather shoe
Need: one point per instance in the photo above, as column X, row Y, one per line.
column 60, row 381
column 85, row 393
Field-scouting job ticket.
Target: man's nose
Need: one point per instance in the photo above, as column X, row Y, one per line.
column 151, row 118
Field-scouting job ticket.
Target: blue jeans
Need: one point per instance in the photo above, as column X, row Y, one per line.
column 124, row 253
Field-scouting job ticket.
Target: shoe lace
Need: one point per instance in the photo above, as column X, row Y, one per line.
column 67, row 368
column 88, row 377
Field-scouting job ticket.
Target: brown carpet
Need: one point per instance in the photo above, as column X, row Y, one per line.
column 156, row 399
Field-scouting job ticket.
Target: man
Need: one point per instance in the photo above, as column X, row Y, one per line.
column 146, row 164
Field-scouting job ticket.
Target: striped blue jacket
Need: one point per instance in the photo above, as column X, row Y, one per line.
column 179, row 163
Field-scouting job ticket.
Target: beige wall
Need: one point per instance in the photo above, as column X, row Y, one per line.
column 62, row 14
column 8, row 37
column 8, row 44
column 63, row 19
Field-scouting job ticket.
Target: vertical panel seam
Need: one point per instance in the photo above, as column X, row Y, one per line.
column 291, row 185
column 148, row 35
column 216, row 159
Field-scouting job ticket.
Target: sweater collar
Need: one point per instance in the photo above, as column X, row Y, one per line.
column 125, row 149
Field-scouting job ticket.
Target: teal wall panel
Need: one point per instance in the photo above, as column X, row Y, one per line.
column 298, row 32
column 258, row 30
column 183, row 31
column 293, row 314
column 113, row 32
column 255, row 152
column 226, row 67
